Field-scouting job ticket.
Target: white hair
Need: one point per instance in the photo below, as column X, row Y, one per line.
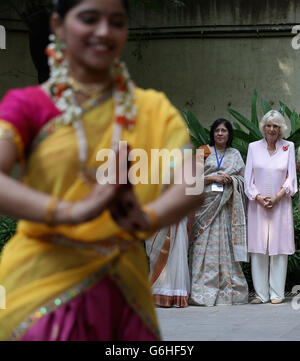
column 275, row 117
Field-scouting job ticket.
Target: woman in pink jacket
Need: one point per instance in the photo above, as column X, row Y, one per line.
column 270, row 182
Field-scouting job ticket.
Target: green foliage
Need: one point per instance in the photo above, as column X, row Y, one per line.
column 198, row 134
column 246, row 267
column 294, row 260
column 293, row 271
column 7, row 229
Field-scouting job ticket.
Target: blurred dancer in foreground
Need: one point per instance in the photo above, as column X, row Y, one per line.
column 75, row 270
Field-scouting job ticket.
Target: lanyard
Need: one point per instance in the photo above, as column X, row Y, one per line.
column 219, row 161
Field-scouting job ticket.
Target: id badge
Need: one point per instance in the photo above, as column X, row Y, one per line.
column 217, row 187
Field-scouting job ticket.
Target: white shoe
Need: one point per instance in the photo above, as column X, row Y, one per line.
column 276, row 301
column 256, row 301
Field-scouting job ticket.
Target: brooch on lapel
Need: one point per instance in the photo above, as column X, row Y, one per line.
column 285, row 147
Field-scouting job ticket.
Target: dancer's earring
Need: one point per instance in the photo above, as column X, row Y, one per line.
column 58, row 65
column 56, row 50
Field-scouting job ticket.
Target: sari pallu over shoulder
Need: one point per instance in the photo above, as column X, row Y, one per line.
column 38, row 275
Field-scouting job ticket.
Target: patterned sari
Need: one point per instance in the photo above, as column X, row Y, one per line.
column 44, row 269
column 218, row 240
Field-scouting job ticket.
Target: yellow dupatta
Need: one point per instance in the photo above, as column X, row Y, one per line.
column 39, row 275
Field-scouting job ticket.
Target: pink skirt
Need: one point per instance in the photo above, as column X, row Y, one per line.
column 99, row 314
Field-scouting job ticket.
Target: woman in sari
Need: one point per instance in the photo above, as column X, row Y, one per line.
column 218, row 239
column 75, row 270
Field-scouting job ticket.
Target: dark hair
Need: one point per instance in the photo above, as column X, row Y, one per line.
column 215, row 125
column 61, row 7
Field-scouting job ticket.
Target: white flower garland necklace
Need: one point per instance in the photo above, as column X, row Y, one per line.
column 62, row 89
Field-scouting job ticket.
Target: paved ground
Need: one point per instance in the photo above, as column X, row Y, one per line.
column 264, row 322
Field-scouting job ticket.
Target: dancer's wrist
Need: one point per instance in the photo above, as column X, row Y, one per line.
column 50, row 213
column 152, row 218
column 63, row 213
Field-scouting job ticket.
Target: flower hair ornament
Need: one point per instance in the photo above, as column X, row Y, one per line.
column 62, row 88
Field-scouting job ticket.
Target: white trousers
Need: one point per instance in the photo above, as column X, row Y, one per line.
column 269, row 275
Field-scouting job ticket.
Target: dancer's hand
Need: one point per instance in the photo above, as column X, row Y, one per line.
column 90, row 207
column 101, row 196
column 127, row 211
column 125, row 208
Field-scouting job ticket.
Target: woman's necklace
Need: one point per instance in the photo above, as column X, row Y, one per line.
column 88, row 90
column 62, row 92
column 271, row 150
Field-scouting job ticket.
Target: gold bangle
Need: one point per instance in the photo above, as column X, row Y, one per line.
column 51, row 207
column 154, row 223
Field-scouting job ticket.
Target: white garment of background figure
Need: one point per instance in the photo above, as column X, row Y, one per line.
column 169, row 273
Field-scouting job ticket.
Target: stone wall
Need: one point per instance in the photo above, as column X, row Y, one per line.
column 206, row 56
column 211, row 55
column 16, row 67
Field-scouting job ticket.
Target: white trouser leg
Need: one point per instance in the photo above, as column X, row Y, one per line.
column 278, row 269
column 260, row 275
